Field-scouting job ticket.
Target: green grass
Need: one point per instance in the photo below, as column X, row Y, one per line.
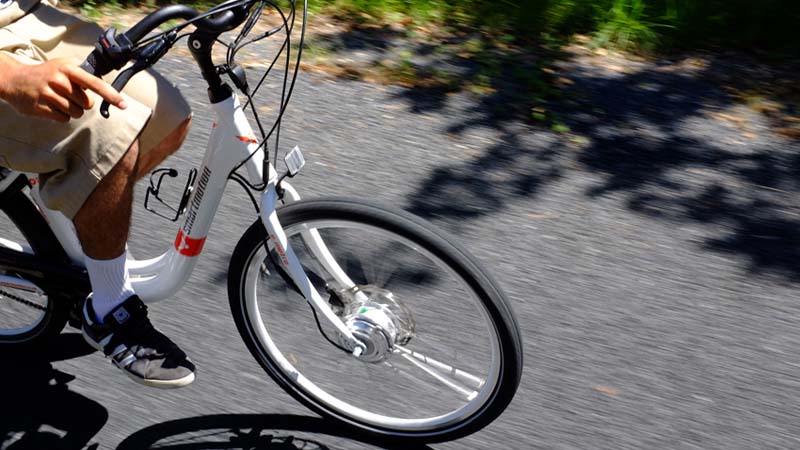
column 624, row 24
column 628, row 24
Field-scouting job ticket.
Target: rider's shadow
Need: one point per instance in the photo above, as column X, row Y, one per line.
column 38, row 410
column 251, row 432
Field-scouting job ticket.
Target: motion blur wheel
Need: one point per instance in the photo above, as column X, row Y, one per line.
column 29, row 316
column 443, row 353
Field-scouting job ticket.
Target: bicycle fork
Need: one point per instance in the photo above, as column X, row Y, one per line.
column 288, row 259
column 277, row 237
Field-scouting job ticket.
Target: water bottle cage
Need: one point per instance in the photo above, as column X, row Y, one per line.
column 156, row 178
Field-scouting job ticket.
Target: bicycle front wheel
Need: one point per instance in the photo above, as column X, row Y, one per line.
column 444, row 354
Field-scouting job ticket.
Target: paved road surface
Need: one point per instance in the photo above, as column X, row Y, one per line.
column 652, row 265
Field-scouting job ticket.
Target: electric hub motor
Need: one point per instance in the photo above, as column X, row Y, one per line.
column 380, row 322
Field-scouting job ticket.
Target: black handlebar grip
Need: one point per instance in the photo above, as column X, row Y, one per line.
column 96, row 64
column 90, row 63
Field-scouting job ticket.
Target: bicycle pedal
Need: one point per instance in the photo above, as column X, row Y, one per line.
column 75, row 319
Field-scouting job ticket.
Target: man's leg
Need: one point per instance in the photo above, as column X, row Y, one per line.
column 103, row 222
column 88, row 174
column 114, row 318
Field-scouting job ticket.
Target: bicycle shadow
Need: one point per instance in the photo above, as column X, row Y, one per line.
column 40, row 411
column 250, row 432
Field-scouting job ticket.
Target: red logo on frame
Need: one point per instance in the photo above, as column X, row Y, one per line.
column 188, row 246
column 249, row 140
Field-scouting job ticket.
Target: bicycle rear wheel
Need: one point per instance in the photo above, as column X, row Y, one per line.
column 28, row 315
column 444, row 354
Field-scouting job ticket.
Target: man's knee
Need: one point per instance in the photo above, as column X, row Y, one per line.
column 127, row 165
column 171, row 143
column 118, row 180
column 176, row 138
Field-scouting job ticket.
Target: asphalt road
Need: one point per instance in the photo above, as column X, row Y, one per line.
column 651, row 265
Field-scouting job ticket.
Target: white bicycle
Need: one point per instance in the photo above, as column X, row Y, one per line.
column 406, row 335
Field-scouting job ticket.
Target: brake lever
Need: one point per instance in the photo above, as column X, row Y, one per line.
column 143, row 59
column 120, row 82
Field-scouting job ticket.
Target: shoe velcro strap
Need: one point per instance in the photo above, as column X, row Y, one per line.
column 131, row 308
column 122, row 357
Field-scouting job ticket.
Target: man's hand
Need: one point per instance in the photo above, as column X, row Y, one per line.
column 54, row 90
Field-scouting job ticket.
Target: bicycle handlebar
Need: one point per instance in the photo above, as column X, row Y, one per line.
column 113, row 50
column 226, row 21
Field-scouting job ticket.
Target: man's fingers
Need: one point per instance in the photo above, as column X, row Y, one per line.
column 78, row 95
column 73, row 110
column 100, row 87
column 47, row 112
column 73, row 92
column 60, row 103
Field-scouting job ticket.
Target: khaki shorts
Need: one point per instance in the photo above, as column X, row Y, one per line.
column 73, row 157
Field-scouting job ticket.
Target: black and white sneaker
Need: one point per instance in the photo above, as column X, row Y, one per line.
column 142, row 352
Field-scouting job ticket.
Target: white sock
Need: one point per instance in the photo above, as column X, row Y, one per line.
column 110, row 283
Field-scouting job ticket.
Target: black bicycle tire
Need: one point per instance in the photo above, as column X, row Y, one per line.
column 26, row 217
column 422, row 233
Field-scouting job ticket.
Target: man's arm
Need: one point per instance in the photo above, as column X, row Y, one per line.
column 54, row 89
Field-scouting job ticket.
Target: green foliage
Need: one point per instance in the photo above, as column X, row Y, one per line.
column 420, row 10
column 89, row 10
column 627, row 24
column 560, row 128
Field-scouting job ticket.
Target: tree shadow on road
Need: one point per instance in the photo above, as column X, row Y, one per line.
column 250, row 432
column 672, row 138
column 505, row 171
column 39, row 410
column 680, row 148
column 434, row 65
column 662, row 139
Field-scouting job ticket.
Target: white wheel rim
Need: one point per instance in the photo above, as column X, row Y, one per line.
column 328, row 400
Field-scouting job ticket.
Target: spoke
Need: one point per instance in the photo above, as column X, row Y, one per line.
column 469, row 394
column 444, row 369
column 378, row 270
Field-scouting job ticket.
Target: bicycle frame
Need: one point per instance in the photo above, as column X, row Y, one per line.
column 231, row 140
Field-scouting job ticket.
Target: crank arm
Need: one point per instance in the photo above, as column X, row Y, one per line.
column 290, row 263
